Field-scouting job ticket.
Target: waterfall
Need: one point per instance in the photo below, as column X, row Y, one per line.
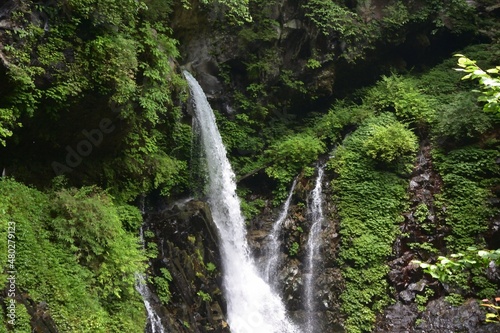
column 272, row 253
column 252, row 307
column 153, row 324
column 313, row 243
column 153, row 321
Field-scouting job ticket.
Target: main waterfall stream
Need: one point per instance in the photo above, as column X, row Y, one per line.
column 252, row 306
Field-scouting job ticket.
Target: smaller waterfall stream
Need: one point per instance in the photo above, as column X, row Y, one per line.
column 272, row 255
column 153, row 324
column 313, row 243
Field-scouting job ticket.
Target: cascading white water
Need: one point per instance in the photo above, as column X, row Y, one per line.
column 313, row 243
column 252, row 307
column 272, row 253
column 153, row 324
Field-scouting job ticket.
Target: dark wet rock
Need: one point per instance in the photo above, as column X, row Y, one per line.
column 418, row 286
column 441, row 317
column 398, row 318
column 407, row 296
column 187, row 242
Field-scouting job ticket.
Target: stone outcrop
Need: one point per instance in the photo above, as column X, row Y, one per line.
column 438, row 317
column 187, row 246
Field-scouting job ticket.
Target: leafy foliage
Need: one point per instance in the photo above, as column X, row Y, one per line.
column 369, row 201
column 461, row 267
column 461, row 120
column 73, row 253
column 162, row 283
column 488, row 80
column 468, row 174
column 400, row 95
column 389, row 143
column 291, row 156
column 335, row 19
column 100, row 60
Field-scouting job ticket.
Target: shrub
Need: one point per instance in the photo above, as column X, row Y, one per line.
column 400, row 95
column 291, row 156
column 461, row 119
column 391, row 142
column 72, row 253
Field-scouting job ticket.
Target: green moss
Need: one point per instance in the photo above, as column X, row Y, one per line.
column 370, row 200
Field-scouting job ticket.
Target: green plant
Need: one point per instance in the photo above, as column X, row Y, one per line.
column 468, row 174
column 465, row 270
column 313, row 63
column 390, row 142
column 294, row 249
column 211, row 267
column 204, row 296
column 454, row 299
column 488, row 81
column 461, row 119
column 332, row 18
column 427, row 247
column 290, row 156
column 492, row 317
column 75, row 255
column 162, row 284
column 369, row 200
column 402, row 96
column 422, row 300
column 236, row 11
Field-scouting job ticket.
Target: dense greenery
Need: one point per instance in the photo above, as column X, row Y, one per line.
column 488, row 80
column 73, row 253
column 91, row 93
column 97, row 63
column 369, row 201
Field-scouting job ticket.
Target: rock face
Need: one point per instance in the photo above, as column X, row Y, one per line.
column 442, row 317
column 439, row 317
column 422, row 226
column 284, row 52
column 187, row 244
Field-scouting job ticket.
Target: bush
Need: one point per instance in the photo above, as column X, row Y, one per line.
column 461, row 119
column 73, row 253
column 291, row 156
column 391, row 142
column 400, row 95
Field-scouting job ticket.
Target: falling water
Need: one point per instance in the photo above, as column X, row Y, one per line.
column 313, row 244
column 153, row 324
column 272, row 253
column 252, row 307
